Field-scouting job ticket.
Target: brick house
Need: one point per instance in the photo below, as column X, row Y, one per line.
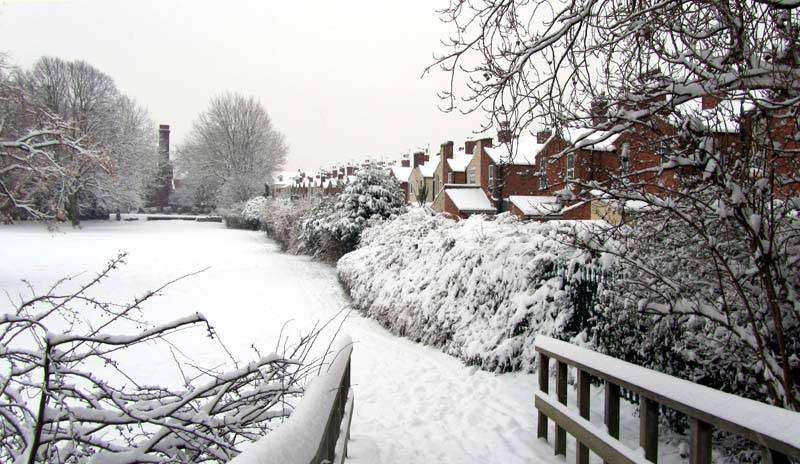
column 422, row 174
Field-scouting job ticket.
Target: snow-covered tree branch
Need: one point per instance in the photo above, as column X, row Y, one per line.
column 67, row 396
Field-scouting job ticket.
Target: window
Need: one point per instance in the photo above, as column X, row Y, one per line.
column 491, row 177
column 473, row 175
column 542, row 173
column 625, row 157
column 570, row 166
column 450, row 177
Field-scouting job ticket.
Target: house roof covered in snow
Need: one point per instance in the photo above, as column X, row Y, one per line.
column 536, row 205
column 469, row 198
column 401, row 173
column 429, row 168
column 522, row 152
column 459, row 162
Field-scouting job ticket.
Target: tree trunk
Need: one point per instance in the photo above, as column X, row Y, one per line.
column 73, row 209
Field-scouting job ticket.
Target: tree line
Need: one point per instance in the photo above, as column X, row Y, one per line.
column 72, row 145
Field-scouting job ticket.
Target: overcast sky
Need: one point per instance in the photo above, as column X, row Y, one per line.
column 341, row 79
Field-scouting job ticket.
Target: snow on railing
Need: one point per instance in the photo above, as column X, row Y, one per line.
column 319, row 428
column 771, row 427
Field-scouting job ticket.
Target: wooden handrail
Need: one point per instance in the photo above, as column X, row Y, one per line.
column 773, row 428
column 319, row 428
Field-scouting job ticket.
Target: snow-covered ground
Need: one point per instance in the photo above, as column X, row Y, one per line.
column 412, row 403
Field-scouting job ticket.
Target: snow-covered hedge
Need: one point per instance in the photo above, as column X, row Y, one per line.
column 480, row 289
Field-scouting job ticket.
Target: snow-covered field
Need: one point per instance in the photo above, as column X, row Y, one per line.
column 412, row 403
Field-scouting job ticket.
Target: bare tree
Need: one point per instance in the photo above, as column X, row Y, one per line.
column 718, row 239
column 232, row 149
column 117, row 155
column 62, row 404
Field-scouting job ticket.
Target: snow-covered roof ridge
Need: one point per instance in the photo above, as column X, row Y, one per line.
column 521, row 152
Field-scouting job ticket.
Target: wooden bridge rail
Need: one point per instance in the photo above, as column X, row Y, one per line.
column 319, row 428
column 773, row 428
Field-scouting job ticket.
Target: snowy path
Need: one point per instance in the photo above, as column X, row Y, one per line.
column 413, row 403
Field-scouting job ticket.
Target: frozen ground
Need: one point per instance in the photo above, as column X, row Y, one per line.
column 413, row 403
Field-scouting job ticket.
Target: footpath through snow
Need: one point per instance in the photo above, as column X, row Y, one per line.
column 412, row 403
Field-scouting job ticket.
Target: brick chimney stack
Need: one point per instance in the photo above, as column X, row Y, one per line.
column 419, row 159
column 163, row 181
column 599, row 111
column 543, row 135
column 405, row 162
column 504, row 134
column 469, row 147
column 446, row 150
column 709, row 102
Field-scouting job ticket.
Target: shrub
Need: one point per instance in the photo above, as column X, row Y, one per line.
column 479, row 289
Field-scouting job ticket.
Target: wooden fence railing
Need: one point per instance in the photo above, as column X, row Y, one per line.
column 319, row 428
column 776, row 430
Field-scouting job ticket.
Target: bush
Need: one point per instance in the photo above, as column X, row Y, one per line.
column 481, row 290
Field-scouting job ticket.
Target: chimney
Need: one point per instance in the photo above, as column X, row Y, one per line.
column 419, row 159
column 164, row 174
column 350, row 170
column 446, row 150
column 405, row 162
column 599, row 110
column 469, row 147
column 710, row 102
column 543, row 135
column 504, row 134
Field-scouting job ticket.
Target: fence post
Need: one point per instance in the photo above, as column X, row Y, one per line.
column 544, row 387
column 582, row 453
column 648, row 427
column 611, row 415
column 700, row 440
column 561, row 393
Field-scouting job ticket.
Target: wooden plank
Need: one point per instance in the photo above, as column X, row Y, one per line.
column 544, row 386
column 622, row 376
column 648, row 428
column 604, row 445
column 561, row 393
column 582, row 452
column 611, row 413
column 700, row 439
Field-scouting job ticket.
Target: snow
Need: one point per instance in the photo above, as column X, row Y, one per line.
column 459, row 162
column 590, row 139
column 469, row 198
column 429, row 168
column 412, row 403
column 295, row 441
column 536, row 205
column 401, row 173
column 523, row 153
